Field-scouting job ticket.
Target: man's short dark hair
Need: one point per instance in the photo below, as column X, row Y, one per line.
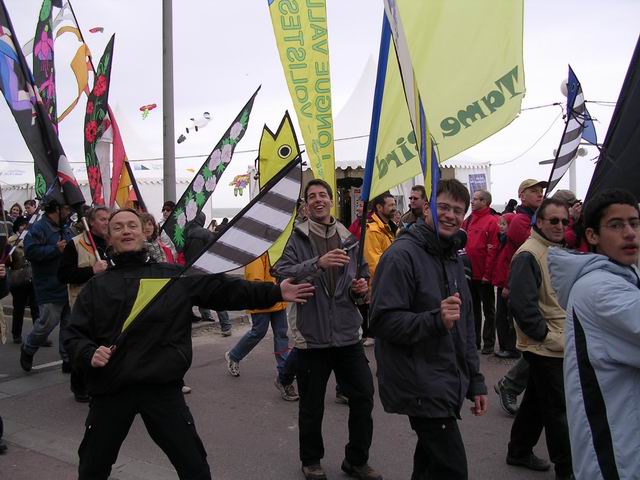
column 318, row 183
column 595, row 207
column 169, row 204
column 550, row 201
column 30, row 202
column 456, row 189
column 421, row 189
column 380, row 200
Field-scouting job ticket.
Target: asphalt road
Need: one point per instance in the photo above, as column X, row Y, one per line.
column 248, row 431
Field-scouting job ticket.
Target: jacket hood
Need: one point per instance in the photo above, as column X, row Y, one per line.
column 567, row 267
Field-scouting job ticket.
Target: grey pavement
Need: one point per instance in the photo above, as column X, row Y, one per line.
column 248, row 431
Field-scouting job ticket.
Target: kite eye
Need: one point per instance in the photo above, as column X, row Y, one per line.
column 284, row 151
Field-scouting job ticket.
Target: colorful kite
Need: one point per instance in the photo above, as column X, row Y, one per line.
column 239, row 183
column 195, row 125
column 145, row 109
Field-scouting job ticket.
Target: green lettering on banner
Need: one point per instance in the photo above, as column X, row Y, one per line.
column 474, row 112
column 291, row 24
column 324, row 120
column 286, row 7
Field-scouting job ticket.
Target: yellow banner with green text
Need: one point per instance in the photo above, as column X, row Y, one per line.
column 468, row 65
column 301, row 33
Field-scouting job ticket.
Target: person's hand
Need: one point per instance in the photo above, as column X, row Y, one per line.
column 480, row 404
column 3, row 271
column 334, row 258
column 505, row 293
column 101, row 356
column 99, row 266
column 359, row 287
column 484, row 280
column 450, row 310
column 298, row 293
column 576, row 210
column 61, row 244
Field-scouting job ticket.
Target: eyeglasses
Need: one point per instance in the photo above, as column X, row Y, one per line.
column 445, row 208
column 619, row 225
column 556, row 220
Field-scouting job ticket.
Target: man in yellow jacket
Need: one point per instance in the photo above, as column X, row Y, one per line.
column 259, row 270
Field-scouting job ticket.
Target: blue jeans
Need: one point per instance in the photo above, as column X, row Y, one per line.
column 51, row 314
column 225, row 323
column 259, row 326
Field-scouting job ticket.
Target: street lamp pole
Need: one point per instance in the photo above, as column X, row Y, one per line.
column 168, row 145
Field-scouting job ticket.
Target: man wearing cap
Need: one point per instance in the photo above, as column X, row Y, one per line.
column 531, row 195
column 43, row 247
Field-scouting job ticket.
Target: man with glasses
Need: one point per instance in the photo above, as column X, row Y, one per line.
column 514, row 382
column 417, row 199
column 601, row 293
column 540, row 331
column 422, row 318
column 482, row 244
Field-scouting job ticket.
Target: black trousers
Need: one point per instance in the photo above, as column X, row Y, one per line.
column 168, row 421
column 543, row 406
column 504, row 324
column 364, row 311
column 484, row 300
column 22, row 296
column 440, row 453
column 351, row 367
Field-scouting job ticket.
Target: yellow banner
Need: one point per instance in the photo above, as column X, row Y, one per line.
column 276, row 151
column 396, row 159
column 467, row 61
column 301, row 33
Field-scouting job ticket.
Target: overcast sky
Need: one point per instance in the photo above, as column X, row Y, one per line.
column 224, row 49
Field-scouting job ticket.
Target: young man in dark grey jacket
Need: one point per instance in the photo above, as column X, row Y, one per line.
column 327, row 333
column 422, row 318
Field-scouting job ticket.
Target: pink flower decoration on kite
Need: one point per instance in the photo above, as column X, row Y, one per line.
column 48, row 87
column 214, row 160
column 192, row 210
column 198, row 183
column 44, row 48
column 89, row 108
column 236, row 130
column 100, row 86
column 211, row 184
column 181, row 220
column 90, row 131
column 226, row 153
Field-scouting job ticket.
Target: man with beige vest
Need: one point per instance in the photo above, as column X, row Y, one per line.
column 540, row 331
column 78, row 265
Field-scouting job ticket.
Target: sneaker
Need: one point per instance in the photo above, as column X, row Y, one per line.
column 186, row 389
column 26, row 360
column 507, row 354
column 487, row 351
column 287, row 392
column 226, row 333
column 342, row 399
column 531, row 461
column 508, row 399
column 363, row 472
column 313, row 472
column 81, row 397
column 233, row 367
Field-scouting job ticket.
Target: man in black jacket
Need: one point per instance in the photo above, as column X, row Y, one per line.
column 141, row 370
column 422, row 318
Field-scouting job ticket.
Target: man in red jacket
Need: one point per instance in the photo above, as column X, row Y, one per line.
column 531, row 195
column 482, row 244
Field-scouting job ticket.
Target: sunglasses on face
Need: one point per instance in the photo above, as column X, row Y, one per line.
column 556, row 221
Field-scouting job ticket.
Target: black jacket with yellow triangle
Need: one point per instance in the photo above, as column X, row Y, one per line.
column 156, row 348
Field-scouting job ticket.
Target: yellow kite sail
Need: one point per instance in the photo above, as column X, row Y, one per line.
column 301, row 33
column 468, row 65
column 276, row 151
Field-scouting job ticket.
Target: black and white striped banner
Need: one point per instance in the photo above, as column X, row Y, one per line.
column 253, row 230
column 577, row 119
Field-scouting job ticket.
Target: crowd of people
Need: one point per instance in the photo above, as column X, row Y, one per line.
column 547, row 283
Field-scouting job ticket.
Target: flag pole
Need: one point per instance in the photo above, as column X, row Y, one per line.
column 383, row 59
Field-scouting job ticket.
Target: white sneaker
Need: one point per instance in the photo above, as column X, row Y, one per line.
column 233, row 367
column 186, row 389
column 287, row 392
